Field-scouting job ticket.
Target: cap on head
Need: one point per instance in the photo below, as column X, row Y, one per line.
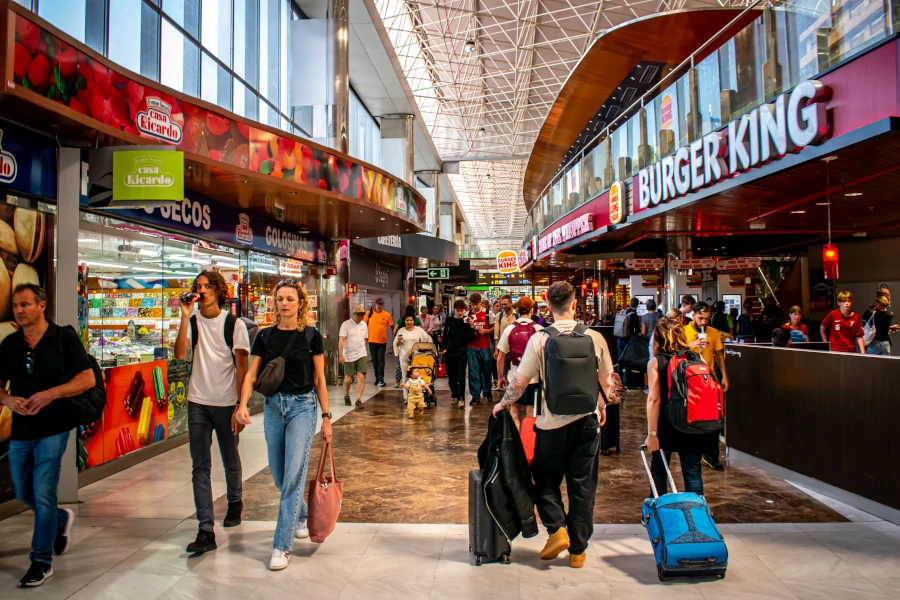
column 525, row 303
column 359, row 309
column 379, row 301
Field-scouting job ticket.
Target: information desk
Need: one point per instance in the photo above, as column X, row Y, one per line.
column 825, row 415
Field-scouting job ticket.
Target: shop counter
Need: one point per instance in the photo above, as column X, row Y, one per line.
column 824, row 415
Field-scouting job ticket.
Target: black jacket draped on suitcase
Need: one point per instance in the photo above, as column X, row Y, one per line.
column 508, row 488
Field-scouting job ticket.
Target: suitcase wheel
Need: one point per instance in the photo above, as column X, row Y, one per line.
column 721, row 574
column 477, row 561
column 660, row 573
column 504, row 559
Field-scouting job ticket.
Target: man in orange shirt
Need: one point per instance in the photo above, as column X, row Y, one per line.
column 378, row 321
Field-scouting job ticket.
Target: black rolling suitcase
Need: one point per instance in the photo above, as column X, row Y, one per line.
column 609, row 433
column 486, row 541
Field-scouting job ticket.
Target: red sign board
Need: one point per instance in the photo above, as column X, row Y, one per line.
column 737, row 264
column 644, row 263
column 330, row 270
column 352, row 288
column 53, row 69
column 684, row 264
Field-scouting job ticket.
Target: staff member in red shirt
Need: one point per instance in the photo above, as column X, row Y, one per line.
column 843, row 327
column 479, row 351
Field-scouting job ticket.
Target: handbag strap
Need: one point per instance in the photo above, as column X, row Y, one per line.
column 326, row 447
column 289, row 346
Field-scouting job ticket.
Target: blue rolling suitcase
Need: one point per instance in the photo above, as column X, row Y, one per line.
column 682, row 532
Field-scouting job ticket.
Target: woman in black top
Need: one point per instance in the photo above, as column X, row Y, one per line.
column 880, row 317
column 290, row 413
column 668, row 339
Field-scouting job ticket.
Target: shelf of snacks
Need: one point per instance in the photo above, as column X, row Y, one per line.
column 132, row 326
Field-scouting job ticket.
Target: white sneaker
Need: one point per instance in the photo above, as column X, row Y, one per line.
column 301, row 532
column 279, row 560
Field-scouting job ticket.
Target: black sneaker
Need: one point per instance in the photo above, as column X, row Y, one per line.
column 233, row 516
column 61, row 544
column 206, row 541
column 713, row 463
column 347, row 400
column 37, row 574
column 474, row 401
column 359, row 403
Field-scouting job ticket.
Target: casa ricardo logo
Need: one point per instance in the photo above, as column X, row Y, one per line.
column 242, row 232
column 156, row 121
column 8, row 165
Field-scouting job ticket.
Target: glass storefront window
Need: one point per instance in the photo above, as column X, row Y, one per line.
column 246, row 40
column 125, row 28
column 216, row 28
column 215, row 83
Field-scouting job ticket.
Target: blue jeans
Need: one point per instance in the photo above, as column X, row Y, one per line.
column 690, row 470
column 289, row 423
column 479, row 371
column 879, row 349
column 35, row 466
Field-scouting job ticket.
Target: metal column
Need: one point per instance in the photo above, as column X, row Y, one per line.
column 397, row 151
column 331, row 122
column 677, row 246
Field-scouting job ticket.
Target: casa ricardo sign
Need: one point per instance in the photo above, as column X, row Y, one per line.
column 766, row 133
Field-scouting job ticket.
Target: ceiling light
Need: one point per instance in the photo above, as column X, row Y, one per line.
column 470, row 46
column 822, row 203
column 293, row 193
column 853, row 194
column 89, row 240
column 245, row 181
column 383, row 218
column 797, row 212
column 481, row 132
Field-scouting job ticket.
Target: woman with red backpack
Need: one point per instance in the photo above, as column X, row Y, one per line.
column 668, row 342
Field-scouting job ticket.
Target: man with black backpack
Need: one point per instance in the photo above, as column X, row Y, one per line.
column 221, row 346
column 627, row 324
column 574, row 365
column 45, row 365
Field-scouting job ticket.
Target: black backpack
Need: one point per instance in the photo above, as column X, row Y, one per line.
column 88, row 406
column 570, row 372
column 230, row 322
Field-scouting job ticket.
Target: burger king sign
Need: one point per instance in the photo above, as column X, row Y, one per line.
column 508, row 261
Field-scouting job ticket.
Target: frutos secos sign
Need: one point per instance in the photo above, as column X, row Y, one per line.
column 766, row 133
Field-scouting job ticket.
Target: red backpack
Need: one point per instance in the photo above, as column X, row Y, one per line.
column 696, row 402
column 518, row 340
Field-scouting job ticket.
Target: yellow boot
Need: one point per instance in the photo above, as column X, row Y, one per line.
column 411, row 412
column 576, row 561
column 556, row 543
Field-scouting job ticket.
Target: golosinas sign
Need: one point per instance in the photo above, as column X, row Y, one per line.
column 764, row 134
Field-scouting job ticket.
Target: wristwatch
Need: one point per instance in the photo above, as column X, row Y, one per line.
column 326, row 415
column 653, row 433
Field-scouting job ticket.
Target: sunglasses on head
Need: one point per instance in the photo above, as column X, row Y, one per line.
column 290, row 282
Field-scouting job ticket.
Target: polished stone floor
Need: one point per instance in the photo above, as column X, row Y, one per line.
column 397, row 469
column 132, row 528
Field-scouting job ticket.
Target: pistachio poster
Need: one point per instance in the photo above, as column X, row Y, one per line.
column 24, row 239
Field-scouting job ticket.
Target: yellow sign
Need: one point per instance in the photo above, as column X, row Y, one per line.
column 616, row 203
column 665, row 110
column 508, row 261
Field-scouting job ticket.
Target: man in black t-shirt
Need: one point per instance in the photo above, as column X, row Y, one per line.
column 44, row 365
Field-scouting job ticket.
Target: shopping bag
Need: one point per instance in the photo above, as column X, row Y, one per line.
column 325, row 496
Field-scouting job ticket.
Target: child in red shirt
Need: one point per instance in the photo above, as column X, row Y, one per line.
column 843, row 327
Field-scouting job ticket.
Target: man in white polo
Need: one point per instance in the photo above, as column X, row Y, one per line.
column 352, row 352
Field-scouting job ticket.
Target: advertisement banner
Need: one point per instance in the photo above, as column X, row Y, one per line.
column 145, row 177
column 737, row 264
column 27, row 164
column 684, row 264
column 63, row 74
column 644, row 263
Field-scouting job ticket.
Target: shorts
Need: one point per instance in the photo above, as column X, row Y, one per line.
column 530, row 394
column 351, row 368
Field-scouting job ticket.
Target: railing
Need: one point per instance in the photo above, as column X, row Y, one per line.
column 470, row 252
column 788, row 43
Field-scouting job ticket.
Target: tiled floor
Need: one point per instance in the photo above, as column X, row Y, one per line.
column 129, row 539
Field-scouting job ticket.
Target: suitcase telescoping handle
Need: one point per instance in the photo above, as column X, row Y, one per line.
column 662, row 455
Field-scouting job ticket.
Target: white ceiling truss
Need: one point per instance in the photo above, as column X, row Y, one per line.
column 487, row 106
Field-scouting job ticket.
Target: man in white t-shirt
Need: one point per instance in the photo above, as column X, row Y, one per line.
column 352, row 352
column 221, row 347
column 565, row 445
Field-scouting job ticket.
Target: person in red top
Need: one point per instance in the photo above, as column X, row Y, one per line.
column 843, row 327
column 798, row 330
column 479, row 351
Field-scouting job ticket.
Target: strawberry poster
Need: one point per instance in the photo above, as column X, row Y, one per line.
column 54, row 69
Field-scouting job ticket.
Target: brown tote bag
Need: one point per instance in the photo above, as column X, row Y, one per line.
column 325, row 496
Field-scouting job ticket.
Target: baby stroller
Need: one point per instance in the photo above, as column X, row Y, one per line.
column 424, row 357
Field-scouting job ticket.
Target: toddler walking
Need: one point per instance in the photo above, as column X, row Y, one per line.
column 415, row 385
